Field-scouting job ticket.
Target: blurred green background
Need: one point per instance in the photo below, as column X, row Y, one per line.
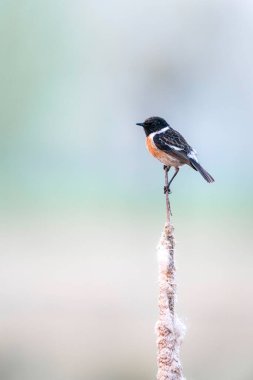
column 82, row 203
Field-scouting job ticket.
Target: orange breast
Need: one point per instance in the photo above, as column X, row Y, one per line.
column 157, row 153
column 164, row 157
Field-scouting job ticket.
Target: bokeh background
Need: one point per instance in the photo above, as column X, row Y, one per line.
column 82, row 203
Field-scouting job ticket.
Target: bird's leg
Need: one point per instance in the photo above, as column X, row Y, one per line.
column 166, row 188
column 176, row 171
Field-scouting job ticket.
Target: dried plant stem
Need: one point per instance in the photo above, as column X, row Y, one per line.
column 169, row 329
column 168, row 210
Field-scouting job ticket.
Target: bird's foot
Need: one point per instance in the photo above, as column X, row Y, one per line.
column 166, row 190
column 165, row 167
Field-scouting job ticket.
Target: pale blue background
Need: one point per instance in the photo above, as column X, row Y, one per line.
column 81, row 200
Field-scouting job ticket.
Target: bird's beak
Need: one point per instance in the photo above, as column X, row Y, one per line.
column 141, row 124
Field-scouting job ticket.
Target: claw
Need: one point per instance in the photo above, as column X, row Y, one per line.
column 166, row 190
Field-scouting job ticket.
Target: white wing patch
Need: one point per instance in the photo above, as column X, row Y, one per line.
column 193, row 154
column 174, row 147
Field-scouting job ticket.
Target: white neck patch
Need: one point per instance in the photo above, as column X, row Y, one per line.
column 158, row 132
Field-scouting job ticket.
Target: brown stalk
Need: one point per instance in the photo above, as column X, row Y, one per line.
column 169, row 328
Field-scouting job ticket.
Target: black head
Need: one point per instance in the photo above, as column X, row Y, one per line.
column 153, row 124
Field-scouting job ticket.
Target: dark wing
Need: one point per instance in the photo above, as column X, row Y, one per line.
column 174, row 144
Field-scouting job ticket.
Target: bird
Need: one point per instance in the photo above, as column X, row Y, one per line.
column 170, row 148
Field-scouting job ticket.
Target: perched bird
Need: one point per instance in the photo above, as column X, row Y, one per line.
column 169, row 147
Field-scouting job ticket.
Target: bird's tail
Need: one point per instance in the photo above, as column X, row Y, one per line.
column 202, row 171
